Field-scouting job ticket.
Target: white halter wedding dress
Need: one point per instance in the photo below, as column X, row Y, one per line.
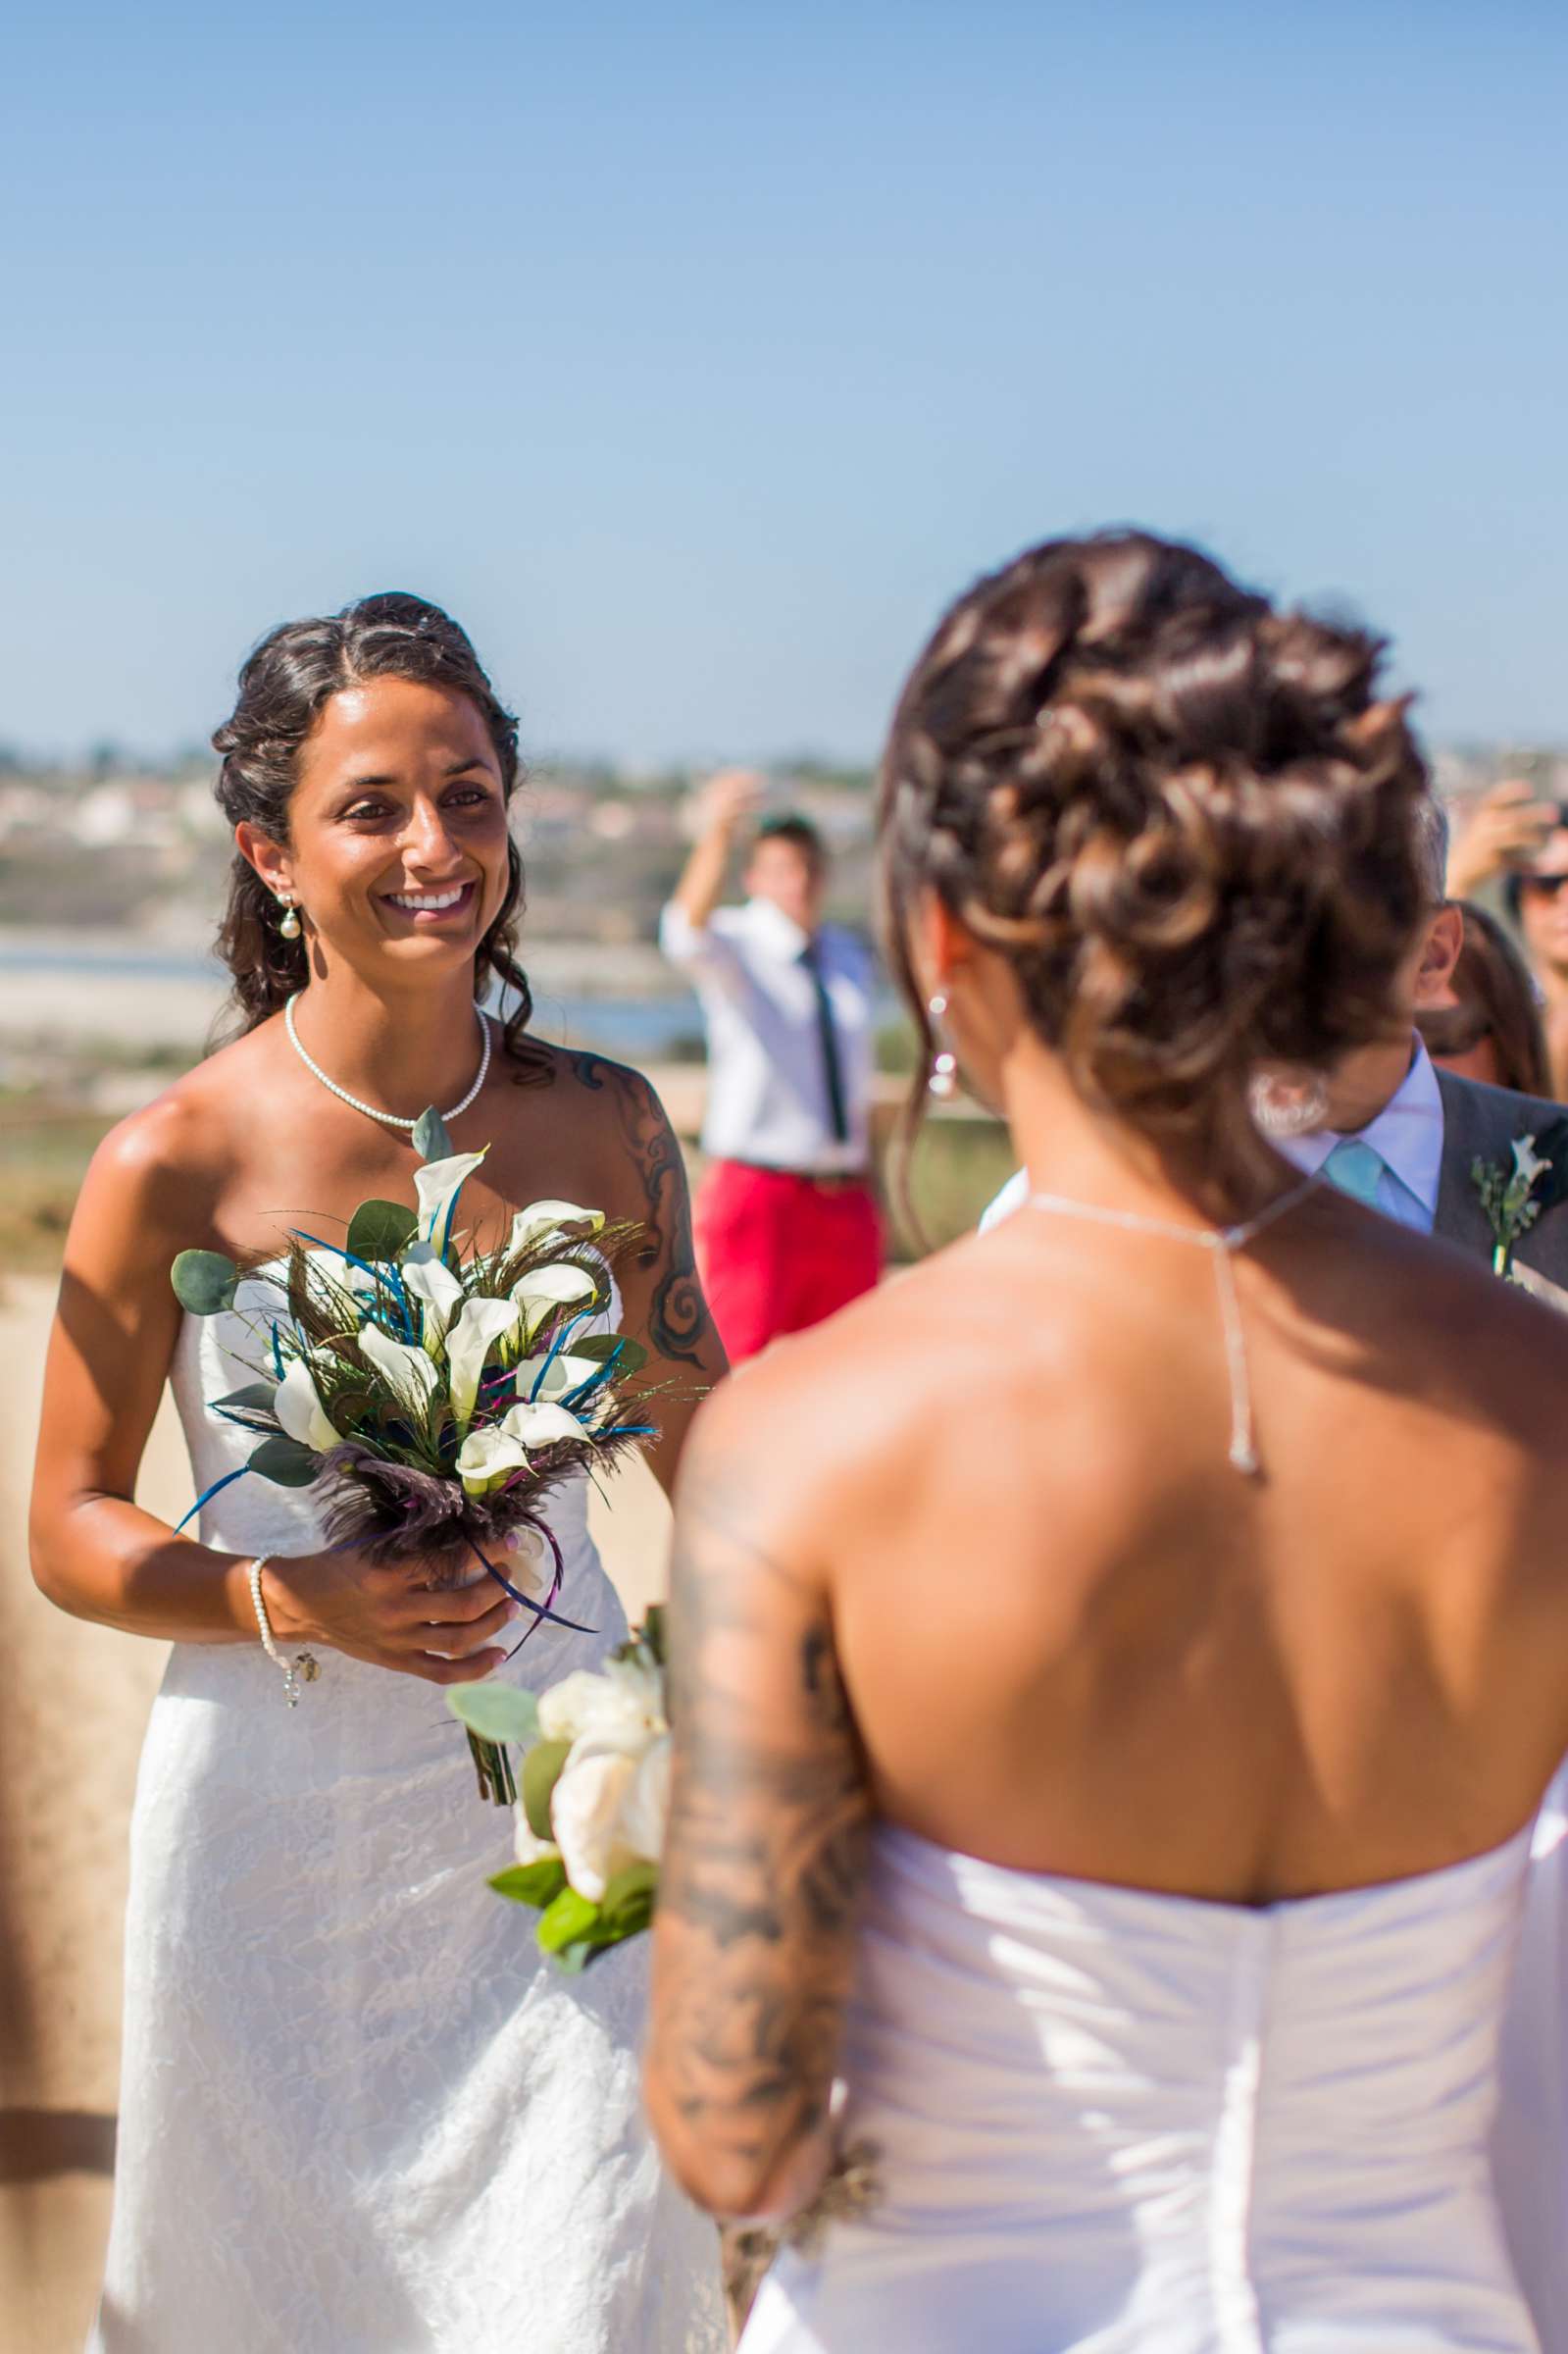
column 1116, row 2122
column 359, row 2114
column 1112, row 2122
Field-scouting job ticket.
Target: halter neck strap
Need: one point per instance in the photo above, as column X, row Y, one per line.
column 1222, row 1242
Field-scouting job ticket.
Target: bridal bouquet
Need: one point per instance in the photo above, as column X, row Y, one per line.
column 594, row 1794
column 436, row 1393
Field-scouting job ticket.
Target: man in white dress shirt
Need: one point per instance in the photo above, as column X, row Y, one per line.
column 787, row 1224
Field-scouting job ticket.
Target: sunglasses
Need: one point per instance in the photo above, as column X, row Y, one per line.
column 1542, row 887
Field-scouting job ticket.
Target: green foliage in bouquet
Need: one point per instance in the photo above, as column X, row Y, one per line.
column 438, row 1392
column 594, row 1785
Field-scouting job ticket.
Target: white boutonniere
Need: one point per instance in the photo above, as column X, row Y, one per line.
column 1514, row 1195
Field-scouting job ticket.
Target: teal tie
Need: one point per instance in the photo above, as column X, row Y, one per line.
column 1356, row 1169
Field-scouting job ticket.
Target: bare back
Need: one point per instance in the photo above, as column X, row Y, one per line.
column 1075, row 1639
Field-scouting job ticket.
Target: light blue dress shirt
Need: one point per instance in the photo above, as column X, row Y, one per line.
column 1406, row 1136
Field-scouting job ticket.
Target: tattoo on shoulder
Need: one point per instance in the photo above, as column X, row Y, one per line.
column 679, row 1323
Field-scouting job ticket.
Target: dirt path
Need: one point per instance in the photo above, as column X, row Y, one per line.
column 76, row 1702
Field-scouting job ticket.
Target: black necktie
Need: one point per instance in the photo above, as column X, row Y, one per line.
column 831, row 1068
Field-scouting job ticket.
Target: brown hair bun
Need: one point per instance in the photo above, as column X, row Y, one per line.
column 1185, row 817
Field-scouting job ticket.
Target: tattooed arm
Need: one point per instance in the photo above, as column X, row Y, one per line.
column 662, row 1296
column 754, row 1934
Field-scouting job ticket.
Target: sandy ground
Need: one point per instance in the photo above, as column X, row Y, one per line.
column 70, row 1726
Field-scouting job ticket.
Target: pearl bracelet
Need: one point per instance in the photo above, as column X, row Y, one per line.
column 303, row 1668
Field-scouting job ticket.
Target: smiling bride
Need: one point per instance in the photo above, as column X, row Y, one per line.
column 359, row 2114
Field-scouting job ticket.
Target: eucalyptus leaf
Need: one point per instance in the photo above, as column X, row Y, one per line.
column 285, row 1463
column 380, row 1230
column 256, row 1398
column 431, row 1139
column 565, row 1921
column 497, row 1712
column 600, row 1346
column 538, row 1885
column 541, row 1770
column 204, row 1282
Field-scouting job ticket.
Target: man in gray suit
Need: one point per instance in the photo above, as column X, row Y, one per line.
column 1405, row 1138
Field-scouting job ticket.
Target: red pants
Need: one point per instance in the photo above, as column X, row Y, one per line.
column 778, row 1252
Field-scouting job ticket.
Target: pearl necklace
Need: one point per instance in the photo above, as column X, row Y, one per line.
column 392, row 1119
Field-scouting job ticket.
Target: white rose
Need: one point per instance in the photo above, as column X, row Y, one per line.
column 643, row 1684
column 586, row 1815
column 530, row 1849
column 585, row 1705
column 645, row 1808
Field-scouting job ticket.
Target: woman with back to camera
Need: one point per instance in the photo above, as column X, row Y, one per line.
column 1116, row 1665
column 359, row 2114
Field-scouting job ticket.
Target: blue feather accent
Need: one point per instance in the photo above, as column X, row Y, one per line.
column 227, row 1481
column 595, row 1381
column 556, row 1346
column 540, row 1608
column 392, row 1281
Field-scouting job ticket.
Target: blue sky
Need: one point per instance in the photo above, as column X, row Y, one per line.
column 695, row 356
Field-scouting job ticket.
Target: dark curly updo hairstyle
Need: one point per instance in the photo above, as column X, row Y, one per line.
column 1187, row 818
column 283, row 688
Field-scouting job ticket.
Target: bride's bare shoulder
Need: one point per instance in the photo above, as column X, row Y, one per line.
column 166, row 1164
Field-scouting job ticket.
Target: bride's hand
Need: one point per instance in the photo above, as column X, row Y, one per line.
column 392, row 1617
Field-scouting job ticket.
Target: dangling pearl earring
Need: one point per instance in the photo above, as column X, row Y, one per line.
column 288, row 927
column 943, row 1080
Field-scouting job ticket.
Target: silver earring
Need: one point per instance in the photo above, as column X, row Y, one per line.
column 1284, row 1107
column 288, row 927
column 943, row 1080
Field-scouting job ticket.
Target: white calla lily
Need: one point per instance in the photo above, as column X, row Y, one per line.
column 487, row 1458
column 545, row 1380
column 1527, row 1162
column 542, row 1292
column 296, row 1402
column 429, row 1279
column 540, row 1218
column 408, row 1369
column 437, row 1182
column 544, row 1425
column 481, row 1327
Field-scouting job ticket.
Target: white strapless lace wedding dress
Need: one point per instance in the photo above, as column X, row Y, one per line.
column 1119, row 2122
column 359, row 2114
